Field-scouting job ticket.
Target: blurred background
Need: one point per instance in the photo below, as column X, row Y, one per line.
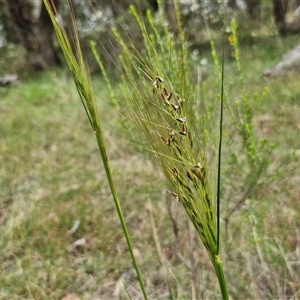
column 27, row 41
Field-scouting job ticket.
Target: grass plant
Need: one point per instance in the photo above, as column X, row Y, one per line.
column 165, row 112
column 49, row 179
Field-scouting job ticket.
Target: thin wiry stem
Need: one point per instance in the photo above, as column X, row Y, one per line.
column 220, row 157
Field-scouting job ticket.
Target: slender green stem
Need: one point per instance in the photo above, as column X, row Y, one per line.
column 221, row 277
column 82, row 81
column 218, row 263
column 103, row 153
column 220, row 157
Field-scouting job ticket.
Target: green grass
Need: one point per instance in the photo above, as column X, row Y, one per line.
column 51, row 176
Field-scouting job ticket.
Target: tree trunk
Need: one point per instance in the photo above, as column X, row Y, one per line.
column 253, row 8
column 279, row 10
column 35, row 35
column 232, row 4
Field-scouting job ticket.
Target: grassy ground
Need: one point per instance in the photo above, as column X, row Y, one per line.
column 51, row 177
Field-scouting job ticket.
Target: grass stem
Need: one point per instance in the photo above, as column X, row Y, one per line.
column 82, row 81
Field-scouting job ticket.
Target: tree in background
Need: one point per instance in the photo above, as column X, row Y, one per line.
column 280, row 8
column 33, row 33
column 232, row 4
column 95, row 18
column 253, row 9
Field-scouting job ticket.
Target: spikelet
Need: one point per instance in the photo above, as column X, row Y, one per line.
column 165, row 119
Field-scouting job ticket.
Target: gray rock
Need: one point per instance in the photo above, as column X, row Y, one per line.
column 289, row 61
